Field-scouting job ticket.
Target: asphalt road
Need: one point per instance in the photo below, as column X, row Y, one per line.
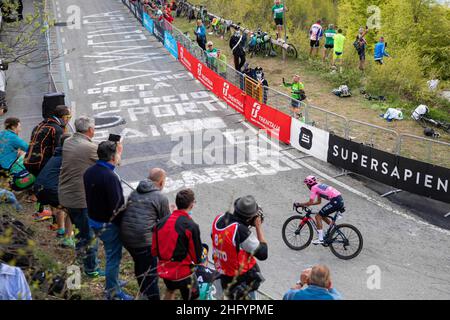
column 115, row 69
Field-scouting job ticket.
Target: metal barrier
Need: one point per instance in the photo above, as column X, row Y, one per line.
column 326, row 120
column 426, row 150
column 373, row 135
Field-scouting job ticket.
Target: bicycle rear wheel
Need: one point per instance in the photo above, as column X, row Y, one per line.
column 292, row 52
column 346, row 242
column 295, row 236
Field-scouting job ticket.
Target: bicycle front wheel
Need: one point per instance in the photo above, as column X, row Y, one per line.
column 346, row 242
column 295, row 235
column 292, row 52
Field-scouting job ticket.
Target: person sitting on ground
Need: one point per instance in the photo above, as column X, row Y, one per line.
column 145, row 207
column 315, row 284
column 329, row 41
column 297, row 94
column 104, row 199
column 12, row 152
column 380, row 51
column 177, row 244
column 46, row 190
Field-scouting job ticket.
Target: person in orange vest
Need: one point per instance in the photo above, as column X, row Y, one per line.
column 236, row 248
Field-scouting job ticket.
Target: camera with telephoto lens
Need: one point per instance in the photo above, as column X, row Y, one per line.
column 260, row 214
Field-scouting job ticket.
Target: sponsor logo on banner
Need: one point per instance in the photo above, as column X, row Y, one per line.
column 171, row 44
column 205, row 75
column 406, row 174
column 310, row 140
column 186, row 59
column 277, row 123
column 232, row 95
column 148, row 23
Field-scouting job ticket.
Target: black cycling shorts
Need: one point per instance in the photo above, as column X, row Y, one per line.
column 295, row 103
column 314, row 43
column 188, row 287
column 334, row 205
column 329, row 46
column 279, row 21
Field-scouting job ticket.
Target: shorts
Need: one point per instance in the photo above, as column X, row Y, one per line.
column 188, row 287
column 338, row 54
column 47, row 197
column 362, row 54
column 314, row 43
column 295, row 103
column 329, row 46
column 334, row 205
column 278, row 21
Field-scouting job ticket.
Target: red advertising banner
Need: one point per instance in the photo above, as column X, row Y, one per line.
column 187, row 60
column 231, row 94
column 277, row 123
column 207, row 77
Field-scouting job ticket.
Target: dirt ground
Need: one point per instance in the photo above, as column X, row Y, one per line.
column 356, row 107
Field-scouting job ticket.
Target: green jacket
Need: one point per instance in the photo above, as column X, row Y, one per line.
column 295, row 89
column 222, row 63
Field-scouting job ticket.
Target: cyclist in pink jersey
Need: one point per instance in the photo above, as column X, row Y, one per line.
column 319, row 191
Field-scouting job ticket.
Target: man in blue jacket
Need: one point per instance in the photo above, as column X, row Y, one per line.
column 200, row 32
column 318, row 286
column 380, row 51
column 104, row 199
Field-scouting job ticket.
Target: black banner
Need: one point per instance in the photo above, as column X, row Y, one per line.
column 399, row 172
column 158, row 31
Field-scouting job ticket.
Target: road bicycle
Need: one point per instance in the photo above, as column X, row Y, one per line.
column 260, row 44
column 424, row 121
column 344, row 240
column 280, row 45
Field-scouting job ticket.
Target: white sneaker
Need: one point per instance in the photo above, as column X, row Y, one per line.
column 317, row 241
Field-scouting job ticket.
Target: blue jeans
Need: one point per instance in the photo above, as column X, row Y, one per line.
column 109, row 234
column 86, row 244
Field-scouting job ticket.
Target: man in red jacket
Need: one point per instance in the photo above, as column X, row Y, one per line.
column 177, row 244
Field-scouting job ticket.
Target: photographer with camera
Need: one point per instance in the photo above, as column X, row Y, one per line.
column 236, row 248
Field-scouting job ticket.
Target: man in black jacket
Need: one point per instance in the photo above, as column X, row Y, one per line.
column 237, row 44
column 145, row 207
column 104, row 199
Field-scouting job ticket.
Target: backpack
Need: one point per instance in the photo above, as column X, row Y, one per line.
column 356, row 45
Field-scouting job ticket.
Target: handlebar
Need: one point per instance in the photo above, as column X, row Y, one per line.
column 301, row 210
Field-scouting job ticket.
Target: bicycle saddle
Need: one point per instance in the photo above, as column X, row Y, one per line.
column 342, row 210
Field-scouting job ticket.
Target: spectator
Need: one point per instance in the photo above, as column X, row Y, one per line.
column 380, row 51
column 318, row 286
column 79, row 153
column 46, row 190
column 45, row 138
column 3, row 106
column 360, row 45
column 259, row 74
column 13, row 284
column 329, row 41
column 104, row 199
column 145, row 207
column 235, row 248
column 315, row 33
column 221, row 64
column 297, row 94
column 12, row 151
column 176, row 242
column 206, row 276
column 211, row 56
column 237, row 43
column 339, row 40
column 278, row 15
column 200, row 32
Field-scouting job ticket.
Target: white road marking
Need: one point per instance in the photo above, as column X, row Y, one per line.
column 447, row 215
column 155, row 132
column 70, row 82
column 67, row 67
column 115, row 33
column 59, row 15
column 63, row 40
column 61, row 30
column 130, row 78
column 122, row 26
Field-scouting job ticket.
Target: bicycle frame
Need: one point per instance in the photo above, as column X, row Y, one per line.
column 309, row 218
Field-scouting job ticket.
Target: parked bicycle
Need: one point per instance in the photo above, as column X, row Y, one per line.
column 260, row 44
column 221, row 28
column 280, row 45
column 344, row 240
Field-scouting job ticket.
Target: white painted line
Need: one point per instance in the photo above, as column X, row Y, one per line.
column 59, row 15
column 66, row 51
column 155, row 132
column 353, row 190
column 61, row 30
column 152, row 74
column 58, row 9
column 70, row 82
column 63, row 40
column 67, row 67
column 447, row 215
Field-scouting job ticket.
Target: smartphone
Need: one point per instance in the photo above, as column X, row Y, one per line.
column 114, row 137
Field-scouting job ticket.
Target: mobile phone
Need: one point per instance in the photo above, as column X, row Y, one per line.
column 114, row 137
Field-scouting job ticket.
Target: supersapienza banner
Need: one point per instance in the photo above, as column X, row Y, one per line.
column 406, row 174
column 310, row 140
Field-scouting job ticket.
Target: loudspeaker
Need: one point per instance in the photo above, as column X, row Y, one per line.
column 51, row 101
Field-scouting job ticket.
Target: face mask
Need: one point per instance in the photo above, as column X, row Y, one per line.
column 190, row 213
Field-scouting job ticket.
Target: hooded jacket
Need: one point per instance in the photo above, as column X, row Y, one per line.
column 145, row 207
